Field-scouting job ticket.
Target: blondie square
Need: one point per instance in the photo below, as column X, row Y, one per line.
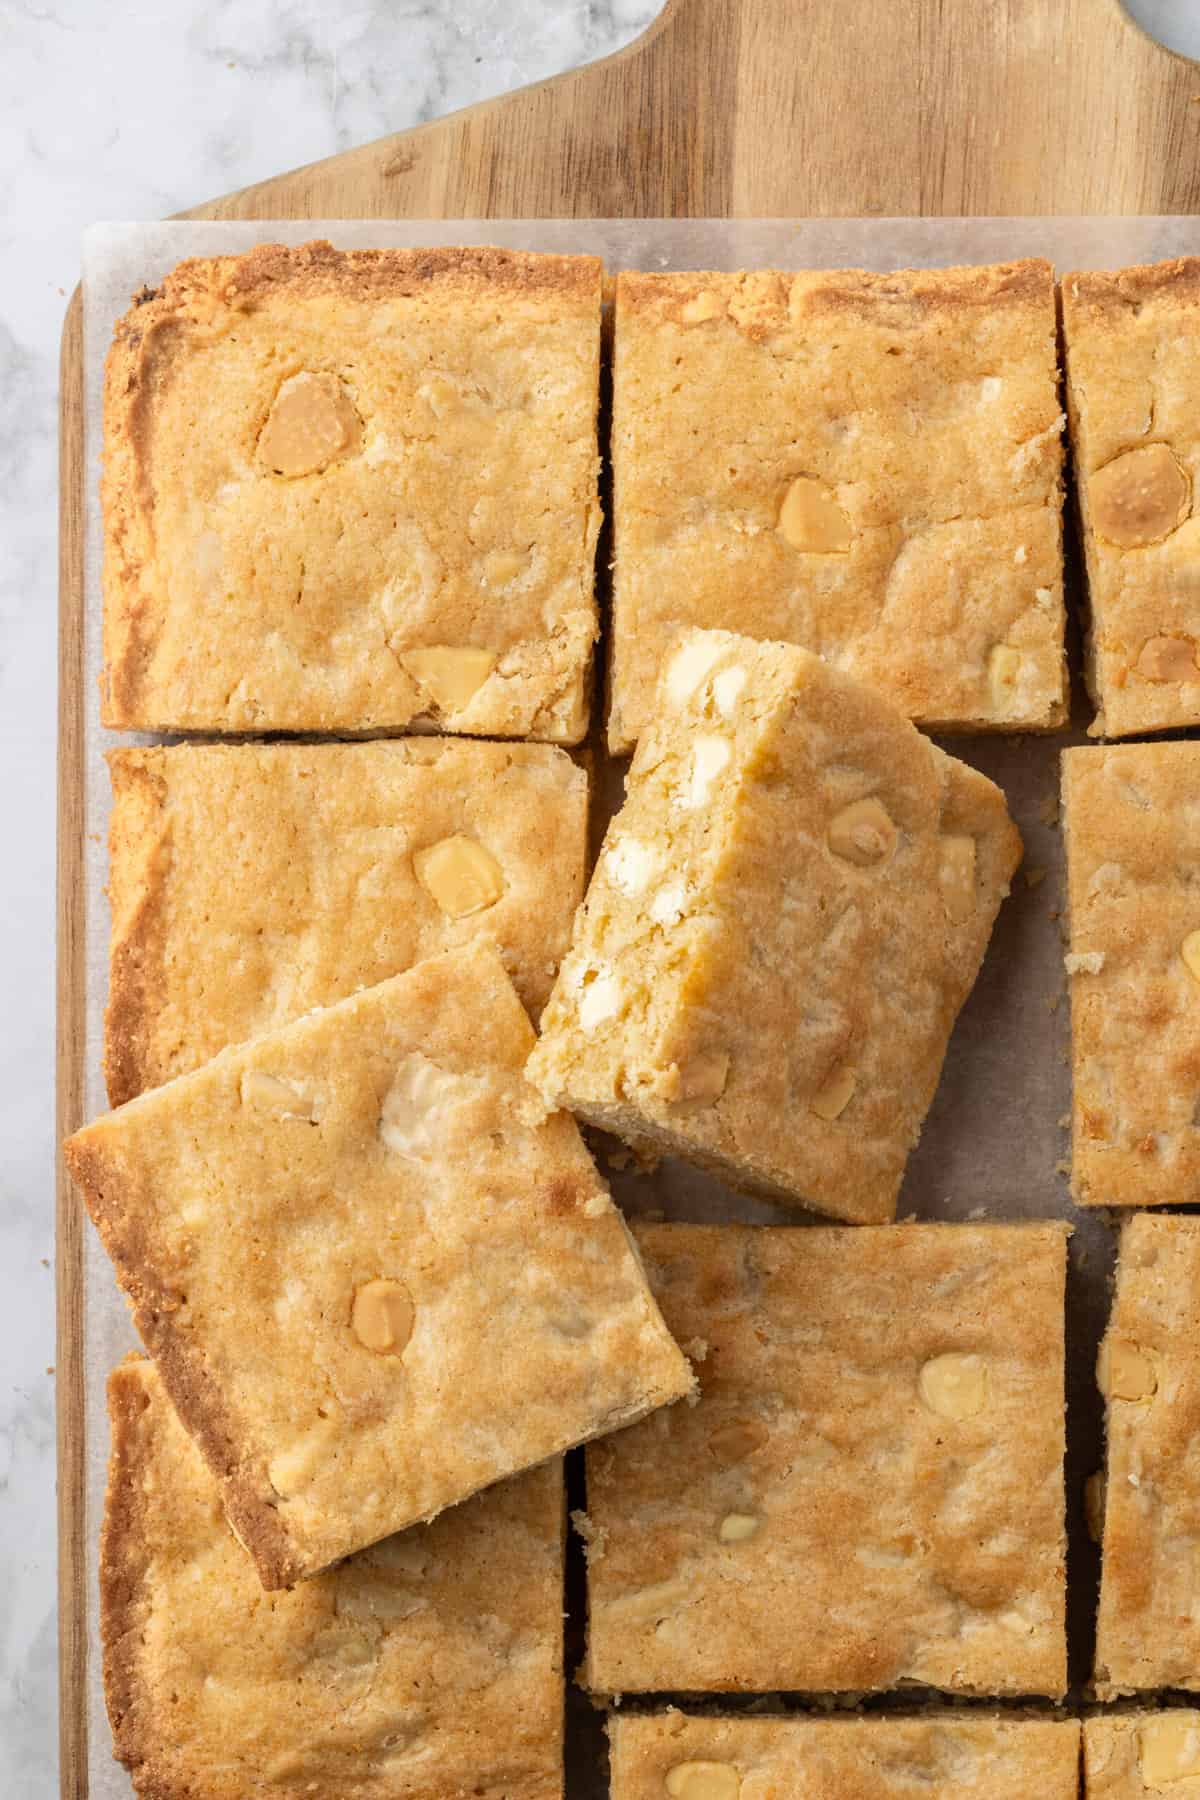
column 947, row 1756
column 867, row 465
column 251, row 882
column 1133, row 397
column 870, row 1489
column 788, row 913
column 430, row 1665
column 1132, row 832
column 354, row 490
column 1133, row 1755
column 1148, row 1626
column 375, row 1272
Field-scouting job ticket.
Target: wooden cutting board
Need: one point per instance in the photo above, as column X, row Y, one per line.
column 786, row 108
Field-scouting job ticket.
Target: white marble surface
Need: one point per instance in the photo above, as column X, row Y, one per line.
column 112, row 111
column 134, row 111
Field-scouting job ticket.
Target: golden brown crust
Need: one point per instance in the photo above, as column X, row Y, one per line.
column 961, row 1755
column 774, row 297
column 389, row 1138
column 199, row 283
column 139, row 862
column 824, row 1519
column 175, row 549
column 293, row 868
column 427, row 1669
column 1105, row 293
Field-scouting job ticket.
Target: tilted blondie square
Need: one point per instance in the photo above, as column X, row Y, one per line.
column 1141, row 1755
column 430, row 1665
column 354, row 490
column 1132, row 835
column 788, row 913
column 947, row 1756
column 1133, row 396
column 250, row 882
column 1148, row 1626
column 376, row 1274
column 870, row 1489
column 867, row 465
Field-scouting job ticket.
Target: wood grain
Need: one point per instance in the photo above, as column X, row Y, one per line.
column 783, row 108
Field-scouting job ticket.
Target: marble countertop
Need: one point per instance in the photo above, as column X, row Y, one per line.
column 130, row 112
column 137, row 111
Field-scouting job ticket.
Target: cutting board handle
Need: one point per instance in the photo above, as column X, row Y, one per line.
column 794, row 108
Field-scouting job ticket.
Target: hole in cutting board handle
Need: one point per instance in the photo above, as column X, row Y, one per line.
column 1175, row 24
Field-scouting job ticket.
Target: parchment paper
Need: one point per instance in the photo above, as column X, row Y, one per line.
column 995, row 1141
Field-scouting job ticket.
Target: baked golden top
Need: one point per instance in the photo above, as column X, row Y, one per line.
column 251, row 882
column 428, row 1666
column 946, row 1756
column 867, row 465
column 1128, row 1755
column 870, row 1490
column 1132, row 836
column 788, row 913
column 1147, row 1630
column 1133, row 395
column 375, row 1272
column 349, row 490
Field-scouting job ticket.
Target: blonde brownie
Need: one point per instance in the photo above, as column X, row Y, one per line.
column 1148, row 1626
column 376, row 1274
column 944, row 1756
column 354, row 490
column 1132, row 835
column 867, row 465
column 870, row 1490
column 250, row 882
column 428, row 1668
column 1133, row 392
column 787, row 915
column 1128, row 1755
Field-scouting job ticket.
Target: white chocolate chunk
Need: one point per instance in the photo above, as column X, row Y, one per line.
column 709, row 756
column 701, row 307
column 451, row 675
column 737, row 1528
column 1125, row 1372
column 689, row 666
column 1189, row 950
column 811, row 520
column 599, row 1001
column 417, row 1115
column 703, row 1781
column 863, row 833
column 630, row 864
column 1170, row 1748
column 954, row 1386
column 727, row 688
column 835, row 1094
column 666, row 908
column 381, row 1316
column 1004, row 672
column 460, row 875
column 273, row 1094
column 956, row 877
